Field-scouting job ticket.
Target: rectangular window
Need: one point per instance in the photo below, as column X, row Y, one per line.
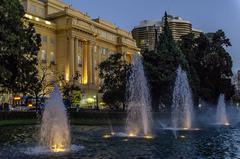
column 79, row 61
column 95, row 49
column 42, row 12
column 79, row 44
column 104, row 51
column 44, row 57
column 95, row 65
column 44, row 38
column 52, row 41
column 33, row 9
column 52, row 58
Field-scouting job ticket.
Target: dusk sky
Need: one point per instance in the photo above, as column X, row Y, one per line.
column 206, row 15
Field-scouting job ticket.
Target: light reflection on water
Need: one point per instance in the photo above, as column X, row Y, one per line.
column 220, row 142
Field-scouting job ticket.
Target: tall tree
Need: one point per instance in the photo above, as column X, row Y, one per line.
column 161, row 65
column 114, row 72
column 19, row 45
column 187, row 45
column 210, row 65
column 217, row 66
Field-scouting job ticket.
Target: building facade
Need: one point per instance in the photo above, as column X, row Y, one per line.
column 73, row 43
column 145, row 33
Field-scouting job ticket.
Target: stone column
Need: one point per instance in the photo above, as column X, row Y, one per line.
column 76, row 55
column 71, row 58
column 90, row 63
column 93, row 65
column 85, row 63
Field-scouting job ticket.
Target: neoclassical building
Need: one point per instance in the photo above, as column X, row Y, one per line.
column 73, row 43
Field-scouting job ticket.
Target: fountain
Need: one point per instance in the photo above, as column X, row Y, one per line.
column 182, row 104
column 139, row 118
column 55, row 133
column 221, row 117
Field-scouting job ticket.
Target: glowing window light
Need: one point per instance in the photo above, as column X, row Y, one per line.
column 37, row 19
column 17, row 98
column 28, row 16
column 90, row 100
column 48, row 22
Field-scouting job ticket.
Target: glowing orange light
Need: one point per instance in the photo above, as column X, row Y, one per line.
column 132, row 135
column 58, row 148
column 17, row 98
column 148, row 137
column 106, row 136
column 30, row 105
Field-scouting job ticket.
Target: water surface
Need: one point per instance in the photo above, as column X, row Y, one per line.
column 217, row 142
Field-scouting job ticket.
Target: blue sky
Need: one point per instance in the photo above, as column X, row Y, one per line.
column 206, row 15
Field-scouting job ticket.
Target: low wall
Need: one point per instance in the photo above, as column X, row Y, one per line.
column 77, row 115
column 17, row 115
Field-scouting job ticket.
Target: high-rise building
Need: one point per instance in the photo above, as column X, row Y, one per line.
column 179, row 27
column 73, row 43
column 145, row 33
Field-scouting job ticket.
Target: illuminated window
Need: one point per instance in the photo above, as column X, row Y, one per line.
column 44, row 56
column 37, row 19
column 95, row 65
column 52, row 58
column 79, row 61
column 104, row 51
column 48, row 22
column 142, row 42
column 95, row 49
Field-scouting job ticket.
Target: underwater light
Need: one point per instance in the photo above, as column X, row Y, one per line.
column 58, row 148
column 148, row 137
column 106, row 136
column 132, row 135
column 226, row 124
column 182, row 137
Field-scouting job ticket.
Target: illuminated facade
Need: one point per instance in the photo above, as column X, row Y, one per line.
column 73, row 43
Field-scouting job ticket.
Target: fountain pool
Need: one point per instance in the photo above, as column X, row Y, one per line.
column 15, row 142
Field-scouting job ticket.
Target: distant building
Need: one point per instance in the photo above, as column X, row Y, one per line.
column 145, row 32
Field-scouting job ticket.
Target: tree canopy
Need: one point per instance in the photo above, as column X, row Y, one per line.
column 204, row 58
column 160, row 67
column 210, row 64
column 19, row 46
column 113, row 73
